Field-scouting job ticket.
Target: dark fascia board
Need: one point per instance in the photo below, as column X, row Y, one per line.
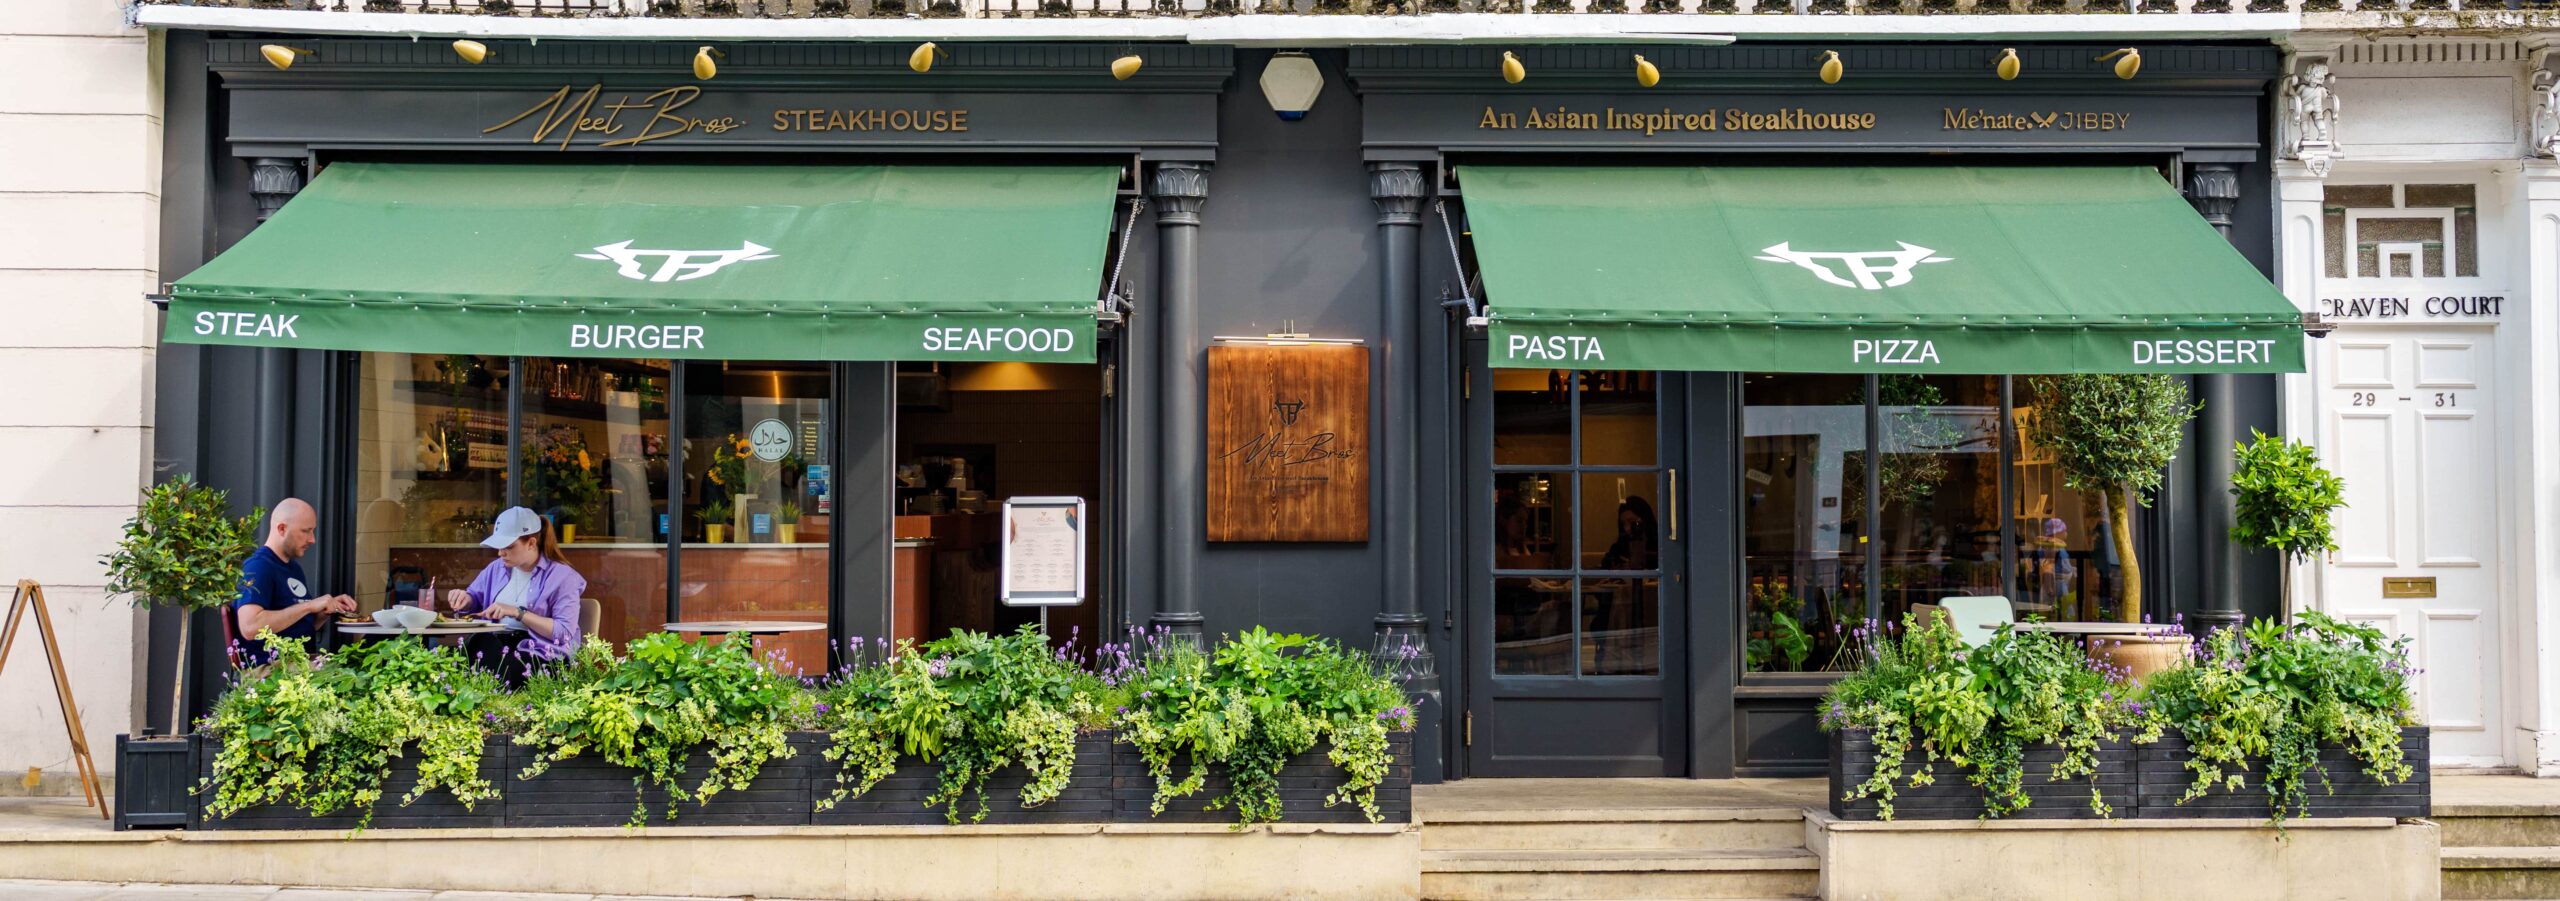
column 1872, row 68
column 1023, row 68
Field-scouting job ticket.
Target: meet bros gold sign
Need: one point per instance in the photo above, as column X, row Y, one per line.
column 1671, row 120
column 1288, row 443
column 569, row 115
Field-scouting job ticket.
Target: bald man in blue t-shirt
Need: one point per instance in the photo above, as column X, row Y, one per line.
column 274, row 594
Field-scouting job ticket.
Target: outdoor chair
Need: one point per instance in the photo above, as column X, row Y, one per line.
column 590, row 615
column 1977, row 618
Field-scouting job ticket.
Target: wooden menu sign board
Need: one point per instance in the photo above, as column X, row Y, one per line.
column 1289, row 443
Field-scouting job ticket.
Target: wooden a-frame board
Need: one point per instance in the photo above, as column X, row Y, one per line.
column 30, row 596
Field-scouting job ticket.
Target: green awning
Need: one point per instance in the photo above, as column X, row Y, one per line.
column 689, row 261
column 1866, row 269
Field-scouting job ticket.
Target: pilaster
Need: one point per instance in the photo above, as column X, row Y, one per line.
column 2534, row 667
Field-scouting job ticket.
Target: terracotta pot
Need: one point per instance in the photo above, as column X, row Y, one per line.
column 2141, row 655
column 716, row 533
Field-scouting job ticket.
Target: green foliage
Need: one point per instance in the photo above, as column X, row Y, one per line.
column 1776, row 631
column 2111, row 431
column 1256, row 701
column 2275, row 692
column 560, row 475
column 787, row 513
column 182, row 547
column 1982, row 708
column 2284, row 497
column 651, row 708
column 320, row 734
column 976, row 703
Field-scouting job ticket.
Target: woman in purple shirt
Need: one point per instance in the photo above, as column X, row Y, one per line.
column 530, row 584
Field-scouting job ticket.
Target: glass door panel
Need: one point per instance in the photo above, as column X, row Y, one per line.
column 756, row 512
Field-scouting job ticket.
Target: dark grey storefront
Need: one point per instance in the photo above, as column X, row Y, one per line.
column 1338, row 226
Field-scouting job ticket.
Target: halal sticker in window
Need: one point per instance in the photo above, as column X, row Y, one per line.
column 771, row 440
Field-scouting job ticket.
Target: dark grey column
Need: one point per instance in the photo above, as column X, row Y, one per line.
column 2214, row 188
column 1397, row 190
column 272, row 181
column 1179, row 190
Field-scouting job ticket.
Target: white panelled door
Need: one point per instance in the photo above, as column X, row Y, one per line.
column 2411, row 429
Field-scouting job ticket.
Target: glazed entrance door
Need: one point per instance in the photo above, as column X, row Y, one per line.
column 1576, row 602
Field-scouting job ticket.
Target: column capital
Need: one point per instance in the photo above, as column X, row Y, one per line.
column 272, row 181
column 1397, row 190
column 1179, row 190
column 2214, row 189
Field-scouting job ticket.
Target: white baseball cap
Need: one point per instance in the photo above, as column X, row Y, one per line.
column 516, row 523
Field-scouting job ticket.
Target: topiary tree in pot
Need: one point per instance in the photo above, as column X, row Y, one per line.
column 2113, row 433
column 182, row 548
column 2283, row 498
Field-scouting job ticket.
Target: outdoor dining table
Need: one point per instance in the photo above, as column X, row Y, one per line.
column 2085, row 630
column 430, row 631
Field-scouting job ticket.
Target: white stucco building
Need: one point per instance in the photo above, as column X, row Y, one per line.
column 79, row 237
column 2420, row 211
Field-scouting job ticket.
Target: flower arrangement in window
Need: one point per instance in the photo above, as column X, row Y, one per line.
column 727, row 467
column 560, row 475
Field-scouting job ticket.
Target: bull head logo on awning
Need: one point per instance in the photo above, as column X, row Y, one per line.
column 1863, row 266
column 675, row 265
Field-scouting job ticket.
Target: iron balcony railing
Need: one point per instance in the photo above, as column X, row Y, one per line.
column 1156, row 9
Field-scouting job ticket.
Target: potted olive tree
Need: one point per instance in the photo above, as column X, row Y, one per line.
column 2283, row 498
column 2113, row 433
column 182, row 548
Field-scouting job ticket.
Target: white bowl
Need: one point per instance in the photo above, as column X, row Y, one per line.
column 387, row 617
column 413, row 618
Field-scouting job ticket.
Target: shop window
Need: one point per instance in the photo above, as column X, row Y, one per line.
column 593, row 459
column 1577, row 537
column 756, row 522
column 1938, row 483
column 1803, row 520
column 2068, row 567
column 431, row 471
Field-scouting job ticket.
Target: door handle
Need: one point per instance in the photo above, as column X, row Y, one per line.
column 1673, row 497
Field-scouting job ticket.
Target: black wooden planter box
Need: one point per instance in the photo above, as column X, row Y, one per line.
column 587, row 791
column 898, row 799
column 155, row 781
column 1304, row 781
column 2349, row 792
column 435, row 810
column 1952, row 796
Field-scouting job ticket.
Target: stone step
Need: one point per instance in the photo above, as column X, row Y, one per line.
column 2501, row 872
column 2498, row 825
column 1618, row 829
column 1631, row 875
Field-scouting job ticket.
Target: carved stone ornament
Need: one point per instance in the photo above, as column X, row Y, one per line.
column 272, row 181
column 2546, row 113
column 1397, row 190
column 1179, row 190
column 2311, row 117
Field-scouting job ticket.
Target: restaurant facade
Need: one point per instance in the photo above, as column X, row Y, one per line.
column 1621, row 388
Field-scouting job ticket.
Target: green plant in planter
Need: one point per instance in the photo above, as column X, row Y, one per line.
column 974, row 702
column 1984, row 708
column 2283, row 498
column 1255, row 702
column 2275, row 692
column 2113, row 433
column 182, row 548
column 320, row 733
column 651, row 708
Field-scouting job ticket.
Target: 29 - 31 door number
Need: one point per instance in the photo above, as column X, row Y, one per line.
column 2370, row 399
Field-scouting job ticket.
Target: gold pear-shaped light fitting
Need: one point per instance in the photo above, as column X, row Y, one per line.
column 1512, row 70
column 922, row 59
column 471, row 51
column 1126, row 66
column 703, row 67
column 2128, row 61
column 279, row 55
column 1646, row 74
column 2009, row 65
column 1831, row 68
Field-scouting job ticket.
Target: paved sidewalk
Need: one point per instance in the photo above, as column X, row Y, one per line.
column 28, row 890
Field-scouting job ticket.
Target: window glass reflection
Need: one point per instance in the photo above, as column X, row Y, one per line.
column 1532, row 417
column 1621, row 627
column 1620, row 530
column 2068, row 565
column 1938, row 477
column 1533, row 626
column 1804, row 443
column 1525, row 506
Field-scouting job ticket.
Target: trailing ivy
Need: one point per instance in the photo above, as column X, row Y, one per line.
column 976, row 703
column 1248, row 707
column 652, row 708
column 1923, row 691
column 319, row 734
column 2274, row 692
